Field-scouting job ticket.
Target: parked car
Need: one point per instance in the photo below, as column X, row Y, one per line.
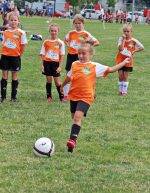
column 91, row 13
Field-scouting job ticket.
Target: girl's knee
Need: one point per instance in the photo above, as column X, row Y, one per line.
column 14, row 75
column 57, row 81
column 49, row 79
column 5, row 75
column 77, row 117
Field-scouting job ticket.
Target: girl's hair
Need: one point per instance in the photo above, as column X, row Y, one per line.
column 12, row 15
column 127, row 26
column 54, row 25
column 87, row 46
column 78, row 17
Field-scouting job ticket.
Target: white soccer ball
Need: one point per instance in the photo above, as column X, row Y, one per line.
column 47, row 21
column 44, row 147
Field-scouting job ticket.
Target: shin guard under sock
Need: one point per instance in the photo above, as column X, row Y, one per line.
column 48, row 90
column 75, row 131
column 61, row 96
column 3, row 88
column 14, row 86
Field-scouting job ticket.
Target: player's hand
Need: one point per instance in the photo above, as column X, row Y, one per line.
column 127, row 60
column 89, row 41
column 61, row 90
column 58, row 69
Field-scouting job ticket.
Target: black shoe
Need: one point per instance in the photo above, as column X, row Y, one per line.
column 70, row 150
column 13, row 100
column 2, row 100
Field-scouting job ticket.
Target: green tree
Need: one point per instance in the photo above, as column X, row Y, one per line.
column 147, row 2
column 74, row 3
column 81, row 2
column 111, row 3
column 21, row 3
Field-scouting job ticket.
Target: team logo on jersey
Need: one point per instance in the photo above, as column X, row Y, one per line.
column 74, row 44
column 52, row 55
column 86, row 70
column 10, row 44
column 126, row 52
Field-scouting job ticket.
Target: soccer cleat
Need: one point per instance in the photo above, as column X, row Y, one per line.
column 13, row 100
column 2, row 100
column 49, row 99
column 71, row 144
column 124, row 94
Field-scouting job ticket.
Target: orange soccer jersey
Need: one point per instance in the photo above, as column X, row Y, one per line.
column 52, row 50
column 13, row 41
column 83, row 80
column 130, row 46
column 74, row 39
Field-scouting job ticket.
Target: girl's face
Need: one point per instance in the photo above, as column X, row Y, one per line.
column 84, row 54
column 54, row 32
column 78, row 25
column 127, row 32
column 13, row 22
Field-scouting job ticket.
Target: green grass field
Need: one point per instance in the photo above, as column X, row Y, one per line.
column 112, row 154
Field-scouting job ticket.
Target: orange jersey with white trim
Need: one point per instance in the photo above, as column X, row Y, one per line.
column 13, row 41
column 83, row 80
column 52, row 50
column 129, row 47
column 74, row 39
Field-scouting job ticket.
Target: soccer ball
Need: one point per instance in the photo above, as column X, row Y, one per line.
column 44, row 147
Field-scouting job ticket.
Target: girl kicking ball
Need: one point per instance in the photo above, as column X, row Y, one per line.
column 82, row 77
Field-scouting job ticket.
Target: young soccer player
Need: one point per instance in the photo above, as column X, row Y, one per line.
column 127, row 47
column 73, row 40
column 52, row 54
column 81, row 94
column 13, row 45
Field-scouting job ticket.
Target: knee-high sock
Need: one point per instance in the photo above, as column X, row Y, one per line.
column 48, row 90
column 61, row 96
column 125, row 87
column 120, row 84
column 75, row 131
column 3, row 88
column 14, row 86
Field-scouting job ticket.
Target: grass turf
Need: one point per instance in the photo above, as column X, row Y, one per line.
column 112, row 153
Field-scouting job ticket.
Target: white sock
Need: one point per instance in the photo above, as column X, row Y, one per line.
column 66, row 89
column 120, row 83
column 125, row 87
